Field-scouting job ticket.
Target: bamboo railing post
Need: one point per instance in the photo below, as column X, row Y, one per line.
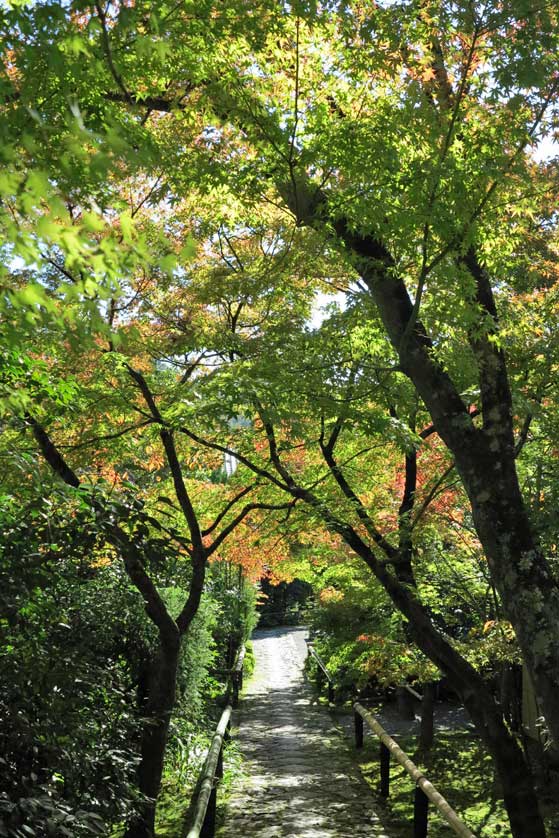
column 384, row 770
column 237, row 677
column 321, row 673
column 204, row 812
column 420, row 813
column 423, row 784
column 205, row 806
column 426, row 731
column 358, row 727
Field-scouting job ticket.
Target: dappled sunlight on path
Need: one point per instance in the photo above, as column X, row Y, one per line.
column 299, row 779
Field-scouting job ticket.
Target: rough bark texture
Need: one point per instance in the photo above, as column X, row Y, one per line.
column 161, row 700
column 514, row 772
column 510, row 691
column 426, row 733
column 485, row 461
column 484, row 457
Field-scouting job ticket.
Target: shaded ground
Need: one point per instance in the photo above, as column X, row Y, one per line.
column 447, row 717
column 299, row 778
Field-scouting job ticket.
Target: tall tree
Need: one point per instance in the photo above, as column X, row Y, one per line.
column 115, row 438
column 340, row 469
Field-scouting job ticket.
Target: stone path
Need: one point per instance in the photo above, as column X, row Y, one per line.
column 299, row 779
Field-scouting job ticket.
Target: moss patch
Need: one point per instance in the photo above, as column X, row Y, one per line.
column 172, row 808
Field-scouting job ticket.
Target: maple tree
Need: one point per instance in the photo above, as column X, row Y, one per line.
column 147, row 351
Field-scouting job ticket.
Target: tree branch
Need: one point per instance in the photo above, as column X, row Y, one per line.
column 416, row 354
column 181, row 491
column 108, row 52
column 431, row 495
column 430, row 429
column 406, row 507
column 261, row 472
column 106, row 437
column 391, row 552
column 227, row 508
column 523, row 435
column 456, row 241
column 250, row 507
column 496, row 396
column 146, row 393
column 51, row 454
column 155, row 606
column 273, row 449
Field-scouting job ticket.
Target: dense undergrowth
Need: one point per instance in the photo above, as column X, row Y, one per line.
column 74, row 645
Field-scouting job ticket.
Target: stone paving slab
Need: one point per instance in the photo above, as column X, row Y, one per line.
column 299, row 779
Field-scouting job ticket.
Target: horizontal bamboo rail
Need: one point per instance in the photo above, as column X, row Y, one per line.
column 206, row 785
column 204, row 809
column 422, row 783
column 413, row 692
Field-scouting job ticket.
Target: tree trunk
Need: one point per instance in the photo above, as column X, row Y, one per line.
column 510, row 696
column 484, row 457
column 516, row 778
column 528, row 591
column 427, row 717
column 405, row 704
column 154, row 737
column 514, row 772
column 485, row 460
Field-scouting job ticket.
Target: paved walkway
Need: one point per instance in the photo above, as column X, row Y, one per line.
column 299, row 779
